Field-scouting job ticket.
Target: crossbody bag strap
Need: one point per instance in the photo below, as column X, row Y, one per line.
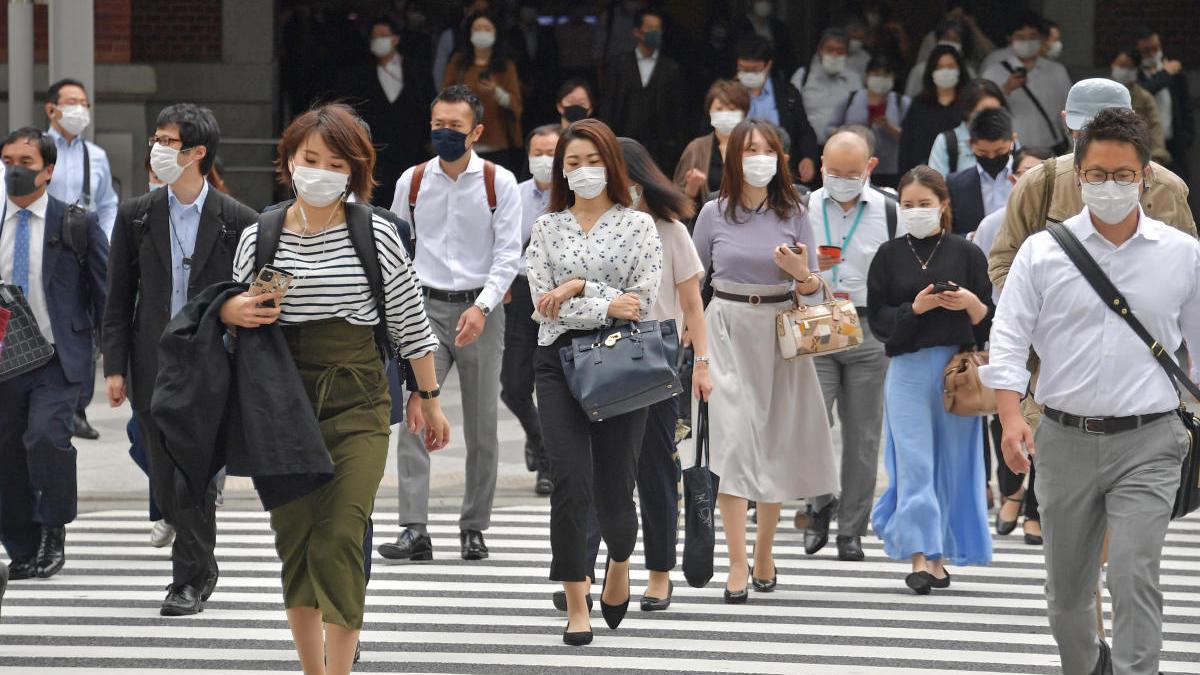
column 1116, row 302
column 1055, row 131
column 87, row 176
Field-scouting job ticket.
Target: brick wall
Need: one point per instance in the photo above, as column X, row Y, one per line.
column 114, row 27
column 177, row 31
column 1177, row 23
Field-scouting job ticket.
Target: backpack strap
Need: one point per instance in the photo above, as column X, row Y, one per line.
column 414, row 188
column 489, row 184
column 889, row 207
column 951, row 149
column 362, row 237
column 1049, row 176
column 270, row 226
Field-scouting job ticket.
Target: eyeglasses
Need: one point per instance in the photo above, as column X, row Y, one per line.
column 1098, row 177
column 165, row 140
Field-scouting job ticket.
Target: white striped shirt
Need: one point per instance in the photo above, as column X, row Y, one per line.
column 331, row 283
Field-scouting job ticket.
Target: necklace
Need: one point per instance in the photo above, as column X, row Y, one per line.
column 923, row 263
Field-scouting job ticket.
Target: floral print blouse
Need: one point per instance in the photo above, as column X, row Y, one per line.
column 620, row 254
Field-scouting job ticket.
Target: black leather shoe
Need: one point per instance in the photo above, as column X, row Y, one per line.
column 410, row 545
column 738, row 597
column 1005, row 527
column 560, row 601
column 22, row 569
column 1033, row 539
column 51, row 551
column 3, row 583
column 83, row 429
column 850, row 549
column 1104, row 664
column 920, row 582
column 816, row 535
column 544, row 485
column 182, row 600
column 531, row 455
column 210, row 584
column 764, row 585
column 578, row 639
column 652, row 604
column 473, row 547
column 613, row 614
column 944, row 582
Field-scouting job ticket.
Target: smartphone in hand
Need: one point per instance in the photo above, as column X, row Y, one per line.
column 271, row 279
column 944, row 287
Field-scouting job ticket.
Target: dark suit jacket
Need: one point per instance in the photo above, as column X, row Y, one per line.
column 654, row 114
column 539, row 75
column 74, row 319
column 794, row 119
column 139, row 279
column 1183, row 123
column 966, row 200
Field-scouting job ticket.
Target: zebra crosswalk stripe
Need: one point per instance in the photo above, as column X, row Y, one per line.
column 448, row 616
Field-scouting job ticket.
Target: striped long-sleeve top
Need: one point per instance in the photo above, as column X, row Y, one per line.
column 331, row 283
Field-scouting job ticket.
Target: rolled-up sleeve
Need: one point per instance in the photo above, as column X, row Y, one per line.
column 1012, row 328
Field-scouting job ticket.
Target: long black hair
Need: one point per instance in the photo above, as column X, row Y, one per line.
column 663, row 199
column 928, row 88
column 466, row 51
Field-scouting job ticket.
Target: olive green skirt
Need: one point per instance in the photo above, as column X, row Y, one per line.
column 319, row 537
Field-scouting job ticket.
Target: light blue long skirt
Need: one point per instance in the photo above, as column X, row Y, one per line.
column 934, row 503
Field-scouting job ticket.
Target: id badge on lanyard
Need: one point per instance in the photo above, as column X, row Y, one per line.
column 845, row 241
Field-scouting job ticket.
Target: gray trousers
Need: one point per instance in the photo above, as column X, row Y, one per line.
column 854, row 380
column 478, row 367
column 1126, row 483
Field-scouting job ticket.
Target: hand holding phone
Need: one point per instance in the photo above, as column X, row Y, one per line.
column 944, row 287
column 271, row 279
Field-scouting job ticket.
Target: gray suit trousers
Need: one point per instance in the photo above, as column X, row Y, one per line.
column 478, row 367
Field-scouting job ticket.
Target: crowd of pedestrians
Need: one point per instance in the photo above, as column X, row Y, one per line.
column 489, row 222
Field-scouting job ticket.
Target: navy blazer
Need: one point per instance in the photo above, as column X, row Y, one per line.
column 74, row 319
column 966, row 200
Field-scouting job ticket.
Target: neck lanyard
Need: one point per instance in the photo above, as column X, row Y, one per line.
column 862, row 206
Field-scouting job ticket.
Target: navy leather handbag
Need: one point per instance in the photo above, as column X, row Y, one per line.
column 623, row 368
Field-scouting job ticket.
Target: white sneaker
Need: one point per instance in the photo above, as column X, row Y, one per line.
column 162, row 534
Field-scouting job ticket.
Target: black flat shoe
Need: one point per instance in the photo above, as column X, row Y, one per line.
column 473, row 547
column 22, row 569
column 1033, row 539
column 411, row 545
column 51, row 553
column 816, row 535
column 850, row 549
column 764, row 585
column 1005, row 527
column 544, row 486
column 944, row 582
column 578, row 639
column 652, row 604
column 920, row 582
column 613, row 614
column 560, row 601
column 83, row 429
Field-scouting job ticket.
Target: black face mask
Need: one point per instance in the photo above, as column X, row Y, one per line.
column 992, row 165
column 574, row 113
column 21, row 181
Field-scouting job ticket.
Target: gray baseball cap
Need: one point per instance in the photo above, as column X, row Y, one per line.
column 1088, row 97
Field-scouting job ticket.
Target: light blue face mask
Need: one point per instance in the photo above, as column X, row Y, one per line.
column 154, row 186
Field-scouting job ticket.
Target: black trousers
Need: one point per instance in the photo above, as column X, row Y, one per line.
column 88, row 388
column 516, row 367
column 590, row 463
column 1009, row 482
column 37, row 460
column 192, row 556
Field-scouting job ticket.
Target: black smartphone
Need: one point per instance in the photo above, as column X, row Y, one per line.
column 795, row 249
column 1020, row 70
column 944, row 287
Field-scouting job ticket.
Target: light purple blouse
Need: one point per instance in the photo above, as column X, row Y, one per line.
column 744, row 252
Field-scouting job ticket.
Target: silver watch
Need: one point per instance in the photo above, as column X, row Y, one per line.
column 483, row 308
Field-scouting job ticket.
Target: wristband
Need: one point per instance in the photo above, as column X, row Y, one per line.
column 428, row 395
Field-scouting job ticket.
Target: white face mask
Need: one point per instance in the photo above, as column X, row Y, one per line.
column 833, row 64
column 725, row 120
column 752, row 80
column 758, row 170
column 540, row 168
column 763, row 8
column 1026, row 49
column 880, row 84
column 1055, row 50
column 945, row 77
column 75, row 119
column 1110, row 202
column 483, row 38
column 843, row 189
column 1124, row 75
column 856, row 46
column 1154, row 61
column 318, row 187
column 587, row 182
column 381, row 46
column 921, row 223
column 164, row 161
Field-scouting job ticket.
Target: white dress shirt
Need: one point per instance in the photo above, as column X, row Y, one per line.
column 1093, row 364
column 995, row 191
column 67, row 185
column 850, row 277
column 533, row 204
column 461, row 244
column 36, row 296
column 646, row 65
column 1049, row 82
column 824, row 93
column 391, row 78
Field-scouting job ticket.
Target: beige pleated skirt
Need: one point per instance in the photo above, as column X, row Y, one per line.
column 769, row 434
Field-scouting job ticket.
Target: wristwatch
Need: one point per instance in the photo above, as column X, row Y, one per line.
column 427, row 395
column 483, row 308
column 702, row 359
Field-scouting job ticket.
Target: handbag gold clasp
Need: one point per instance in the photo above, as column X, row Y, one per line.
column 612, row 340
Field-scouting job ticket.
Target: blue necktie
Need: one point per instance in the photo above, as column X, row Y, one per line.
column 21, row 252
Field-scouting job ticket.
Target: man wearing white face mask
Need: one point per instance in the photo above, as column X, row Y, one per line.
column 168, row 245
column 1164, row 79
column 826, row 82
column 1124, row 69
column 1109, row 446
column 1036, row 87
column 851, row 220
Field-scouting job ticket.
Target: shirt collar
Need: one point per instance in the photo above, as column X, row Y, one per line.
column 38, row 208
column 198, row 205
column 653, row 56
column 61, row 140
column 474, row 165
column 1081, row 225
column 768, row 89
column 393, row 63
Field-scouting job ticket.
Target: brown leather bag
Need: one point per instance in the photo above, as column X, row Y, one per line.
column 963, row 392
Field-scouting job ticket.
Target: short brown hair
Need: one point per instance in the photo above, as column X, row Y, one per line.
column 561, row 196
column 345, row 134
column 929, row 177
column 729, row 92
column 782, row 197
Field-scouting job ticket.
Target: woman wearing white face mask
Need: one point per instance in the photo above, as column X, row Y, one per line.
column 1125, row 67
column 935, row 109
column 932, row 511
column 699, row 170
column 328, row 319
column 482, row 63
column 879, row 107
column 768, row 432
column 591, row 260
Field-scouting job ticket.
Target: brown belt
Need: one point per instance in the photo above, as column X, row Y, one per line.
column 753, row 299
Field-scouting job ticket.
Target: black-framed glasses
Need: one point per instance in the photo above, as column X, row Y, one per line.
column 1120, row 177
column 176, row 143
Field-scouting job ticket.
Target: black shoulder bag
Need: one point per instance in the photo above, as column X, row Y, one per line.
column 1187, row 499
column 75, row 227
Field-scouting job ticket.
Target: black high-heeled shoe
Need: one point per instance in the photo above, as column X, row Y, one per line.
column 764, row 585
column 613, row 614
column 653, row 604
column 1005, row 527
column 738, row 597
column 943, row 582
column 577, row 639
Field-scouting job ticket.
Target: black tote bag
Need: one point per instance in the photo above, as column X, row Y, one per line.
column 700, row 505
column 23, row 348
column 628, row 367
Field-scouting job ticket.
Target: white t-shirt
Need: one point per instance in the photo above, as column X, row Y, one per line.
column 680, row 263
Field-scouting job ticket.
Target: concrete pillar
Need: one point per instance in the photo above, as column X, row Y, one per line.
column 73, row 46
column 20, row 63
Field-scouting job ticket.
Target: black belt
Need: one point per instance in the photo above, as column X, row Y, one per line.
column 753, row 299
column 457, row 297
column 1103, row 425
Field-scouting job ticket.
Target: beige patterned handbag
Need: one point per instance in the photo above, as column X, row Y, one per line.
column 808, row 330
